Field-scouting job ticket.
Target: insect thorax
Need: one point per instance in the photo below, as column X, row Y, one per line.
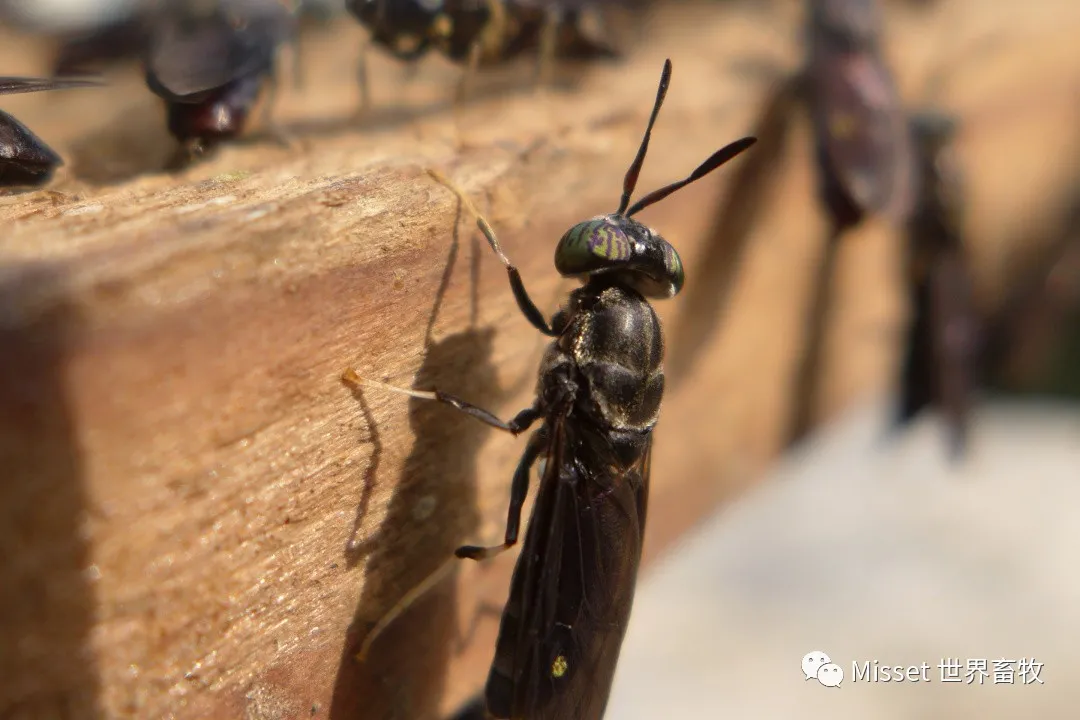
column 609, row 355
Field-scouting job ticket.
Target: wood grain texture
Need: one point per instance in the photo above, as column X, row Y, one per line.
column 200, row 521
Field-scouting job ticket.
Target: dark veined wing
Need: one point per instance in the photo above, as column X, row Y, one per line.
column 15, row 85
column 573, row 586
column 860, row 122
column 197, row 47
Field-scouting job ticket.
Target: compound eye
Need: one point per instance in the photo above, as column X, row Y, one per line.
column 674, row 266
column 591, row 246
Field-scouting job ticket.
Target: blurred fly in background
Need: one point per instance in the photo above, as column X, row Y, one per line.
column 864, row 154
column 864, row 166
column 209, row 60
column 479, row 33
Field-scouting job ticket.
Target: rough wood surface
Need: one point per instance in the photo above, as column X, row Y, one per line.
column 195, row 511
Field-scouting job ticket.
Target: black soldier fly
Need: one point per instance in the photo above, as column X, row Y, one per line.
column 864, row 167
column 598, row 398
column 940, row 363
column 25, row 159
column 208, row 60
column 477, row 33
column 864, row 155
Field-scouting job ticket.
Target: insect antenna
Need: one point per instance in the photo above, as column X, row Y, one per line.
column 717, row 159
column 630, row 181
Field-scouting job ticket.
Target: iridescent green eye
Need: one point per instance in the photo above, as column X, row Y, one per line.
column 673, row 263
column 590, row 246
column 620, row 248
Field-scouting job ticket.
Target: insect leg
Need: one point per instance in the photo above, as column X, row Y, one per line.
column 525, row 304
column 471, row 67
column 273, row 85
column 519, row 489
column 549, row 33
column 517, row 425
column 298, row 67
column 362, row 78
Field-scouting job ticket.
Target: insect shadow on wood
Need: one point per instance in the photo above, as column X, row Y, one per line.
column 478, row 35
column 49, row 609
column 597, row 401
column 25, row 159
column 706, row 300
column 433, row 510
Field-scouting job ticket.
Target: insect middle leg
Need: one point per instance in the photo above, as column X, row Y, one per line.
column 519, row 489
column 363, row 79
column 275, row 131
column 521, row 422
column 525, row 304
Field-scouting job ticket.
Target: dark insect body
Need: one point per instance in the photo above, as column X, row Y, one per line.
column 940, row 365
column 478, row 33
column 862, row 139
column 598, row 398
column 865, row 158
column 25, row 159
column 208, row 62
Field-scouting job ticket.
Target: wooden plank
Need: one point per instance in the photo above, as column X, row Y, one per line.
column 185, row 469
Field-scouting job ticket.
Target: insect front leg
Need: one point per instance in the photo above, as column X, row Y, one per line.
column 519, row 489
column 517, row 425
column 525, row 304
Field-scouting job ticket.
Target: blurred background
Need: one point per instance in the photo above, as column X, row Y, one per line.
column 918, row 178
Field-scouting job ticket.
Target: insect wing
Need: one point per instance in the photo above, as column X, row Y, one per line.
column 573, row 586
column 192, row 54
column 859, row 121
column 16, row 85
